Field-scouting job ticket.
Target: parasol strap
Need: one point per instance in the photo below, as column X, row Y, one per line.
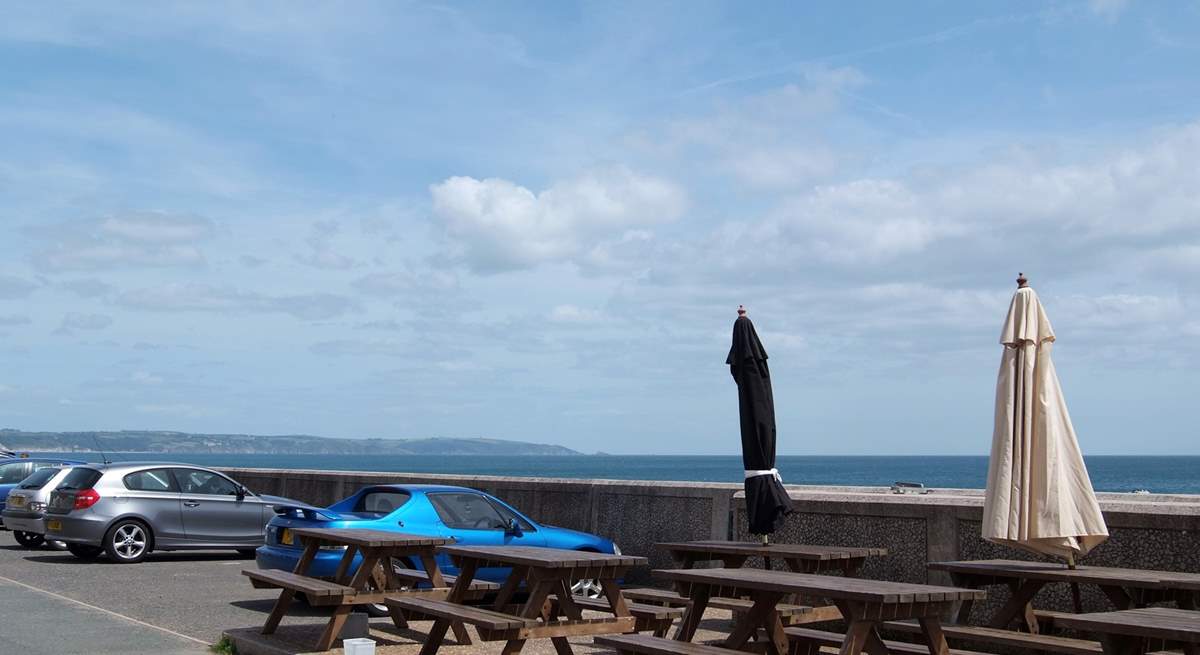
column 755, row 474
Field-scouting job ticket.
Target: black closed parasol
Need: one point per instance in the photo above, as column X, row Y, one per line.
column 767, row 501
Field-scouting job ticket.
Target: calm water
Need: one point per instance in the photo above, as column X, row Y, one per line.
column 1171, row 474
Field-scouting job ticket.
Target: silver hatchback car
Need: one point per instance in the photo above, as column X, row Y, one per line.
column 26, row 506
column 129, row 509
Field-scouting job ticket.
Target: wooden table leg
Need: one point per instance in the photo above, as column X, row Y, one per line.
column 458, row 593
column 1019, row 605
column 286, row 595
column 538, row 593
column 616, row 600
column 281, row 607
column 855, row 640
column 334, row 627
column 697, row 603
column 931, row 627
column 762, row 614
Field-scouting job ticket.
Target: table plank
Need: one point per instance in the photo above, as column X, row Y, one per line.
column 783, row 551
column 875, row 591
column 547, row 558
column 1155, row 622
column 1058, row 572
column 369, row 538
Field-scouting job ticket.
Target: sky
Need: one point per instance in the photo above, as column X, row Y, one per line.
column 535, row 221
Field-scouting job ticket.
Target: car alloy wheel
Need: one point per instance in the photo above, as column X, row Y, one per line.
column 379, row 609
column 127, row 542
column 589, row 588
column 29, row 539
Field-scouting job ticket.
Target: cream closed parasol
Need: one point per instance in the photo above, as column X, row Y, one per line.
column 1039, row 497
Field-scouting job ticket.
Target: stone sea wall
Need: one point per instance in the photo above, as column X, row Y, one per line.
column 1148, row 531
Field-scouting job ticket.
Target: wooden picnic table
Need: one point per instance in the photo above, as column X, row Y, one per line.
column 369, row 583
column 1127, row 632
column 801, row 558
column 543, row 572
column 1124, row 588
column 863, row 603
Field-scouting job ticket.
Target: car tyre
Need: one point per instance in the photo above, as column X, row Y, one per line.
column 29, row 539
column 128, row 541
column 84, row 551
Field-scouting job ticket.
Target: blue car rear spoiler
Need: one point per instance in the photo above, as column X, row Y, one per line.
column 308, row 511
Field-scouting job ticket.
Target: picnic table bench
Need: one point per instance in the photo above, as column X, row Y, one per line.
column 369, row 583
column 545, row 573
column 864, row 604
column 801, row 558
column 1124, row 588
column 1129, row 632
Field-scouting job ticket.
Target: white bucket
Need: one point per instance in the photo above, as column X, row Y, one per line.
column 358, row 646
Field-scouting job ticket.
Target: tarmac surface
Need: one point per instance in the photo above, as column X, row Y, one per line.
column 53, row 602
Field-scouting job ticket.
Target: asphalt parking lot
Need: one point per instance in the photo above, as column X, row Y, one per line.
column 172, row 602
column 52, row 602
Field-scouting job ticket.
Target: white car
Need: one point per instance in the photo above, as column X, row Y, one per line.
column 25, row 508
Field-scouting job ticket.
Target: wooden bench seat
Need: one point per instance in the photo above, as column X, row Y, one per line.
column 672, row 599
column 647, row 645
column 807, row 640
column 318, row 591
column 649, row 618
column 497, row 626
column 1039, row 642
column 417, row 576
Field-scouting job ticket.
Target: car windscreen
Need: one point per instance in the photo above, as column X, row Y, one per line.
column 381, row 502
column 39, row 478
column 79, row 478
column 13, row 472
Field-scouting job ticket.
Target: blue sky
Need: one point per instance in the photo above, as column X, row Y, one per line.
column 535, row 221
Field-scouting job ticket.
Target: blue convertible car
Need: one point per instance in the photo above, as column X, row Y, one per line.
column 469, row 516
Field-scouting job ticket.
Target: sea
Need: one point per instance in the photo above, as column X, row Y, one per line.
column 1156, row 474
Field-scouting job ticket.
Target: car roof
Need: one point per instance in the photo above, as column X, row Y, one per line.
column 53, row 460
column 132, row 466
column 424, row 488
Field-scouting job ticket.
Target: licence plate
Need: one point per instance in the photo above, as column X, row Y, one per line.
column 16, row 501
column 53, row 525
column 285, row 537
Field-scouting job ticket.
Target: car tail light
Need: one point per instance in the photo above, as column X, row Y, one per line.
column 86, row 498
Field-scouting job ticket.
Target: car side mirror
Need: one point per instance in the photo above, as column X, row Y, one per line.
column 241, row 492
column 513, row 528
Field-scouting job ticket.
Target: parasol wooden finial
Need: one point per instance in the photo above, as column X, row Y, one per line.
column 741, row 310
column 1021, row 281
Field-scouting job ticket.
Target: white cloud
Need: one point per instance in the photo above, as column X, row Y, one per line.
column 496, row 225
column 143, row 239
column 575, row 314
column 225, row 300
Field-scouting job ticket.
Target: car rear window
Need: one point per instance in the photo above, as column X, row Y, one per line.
column 380, row 503
column 39, row 478
column 79, row 478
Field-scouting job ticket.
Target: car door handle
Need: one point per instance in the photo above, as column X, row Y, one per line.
column 191, row 503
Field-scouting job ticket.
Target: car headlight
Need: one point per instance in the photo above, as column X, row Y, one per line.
column 37, row 507
column 616, row 549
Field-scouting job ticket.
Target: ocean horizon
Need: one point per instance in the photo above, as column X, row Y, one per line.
column 1109, row 473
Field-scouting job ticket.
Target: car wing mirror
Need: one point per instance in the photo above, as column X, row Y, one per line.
column 513, row 528
column 241, row 492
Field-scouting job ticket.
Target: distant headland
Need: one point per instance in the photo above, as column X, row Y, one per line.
column 150, row 441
